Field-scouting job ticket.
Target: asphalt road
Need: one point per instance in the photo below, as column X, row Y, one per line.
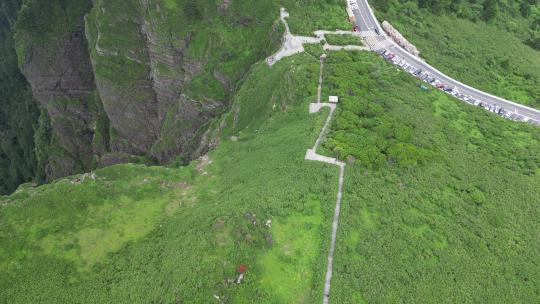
column 367, row 22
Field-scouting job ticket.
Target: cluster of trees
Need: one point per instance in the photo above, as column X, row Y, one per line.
column 365, row 129
column 475, row 10
column 431, row 232
column 486, row 9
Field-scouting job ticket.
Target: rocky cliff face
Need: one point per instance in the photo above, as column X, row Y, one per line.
column 120, row 59
column 121, row 79
column 58, row 68
column 141, row 80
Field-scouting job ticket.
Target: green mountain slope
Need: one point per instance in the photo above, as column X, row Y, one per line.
column 441, row 199
column 160, row 234
column 449, row 207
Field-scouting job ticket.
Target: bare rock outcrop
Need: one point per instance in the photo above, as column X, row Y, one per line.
column 121, row 63
column 146, row 105
column 118, row 82
column 60, row 74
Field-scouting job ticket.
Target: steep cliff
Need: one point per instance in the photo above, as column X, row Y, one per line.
column 164, row 69
column 53, row 56
column 118, row 81
column 18, row 110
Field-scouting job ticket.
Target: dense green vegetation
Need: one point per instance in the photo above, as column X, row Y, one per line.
column 307, row 16
column 18, row 110
column 342, row 39
column 441, row 199
column 422, row 217
column 240, row 33
column 442, row 202
column 486, row 44
column 157, row 234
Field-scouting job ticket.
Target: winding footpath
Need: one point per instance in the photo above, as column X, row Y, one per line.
column 311, row 154
column 292, row 45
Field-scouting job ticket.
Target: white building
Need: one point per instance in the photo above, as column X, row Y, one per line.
column 333, row 99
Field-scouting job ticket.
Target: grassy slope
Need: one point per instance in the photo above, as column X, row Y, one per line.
column 159, row 234
column 342, row 39
column 480, row 54
column 453, row 217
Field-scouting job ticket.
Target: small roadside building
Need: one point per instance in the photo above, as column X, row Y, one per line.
column 333, row 99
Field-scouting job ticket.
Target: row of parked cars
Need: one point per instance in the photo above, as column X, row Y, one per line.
column 428, row 78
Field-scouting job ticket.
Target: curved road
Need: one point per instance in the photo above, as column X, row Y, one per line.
column 367, row 23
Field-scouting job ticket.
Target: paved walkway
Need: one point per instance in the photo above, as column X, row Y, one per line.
column 311, row 154
column 319, row 89
column 328, row 47
column 295, row 44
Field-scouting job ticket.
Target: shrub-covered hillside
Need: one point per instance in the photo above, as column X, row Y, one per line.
column 442, row 203
column 441, row 200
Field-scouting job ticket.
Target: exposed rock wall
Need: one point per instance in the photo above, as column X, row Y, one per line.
column 145, row 104
column 61, row 68
column 58, row 68
column 165, row 64
column 126, row 78
column 121, row 64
